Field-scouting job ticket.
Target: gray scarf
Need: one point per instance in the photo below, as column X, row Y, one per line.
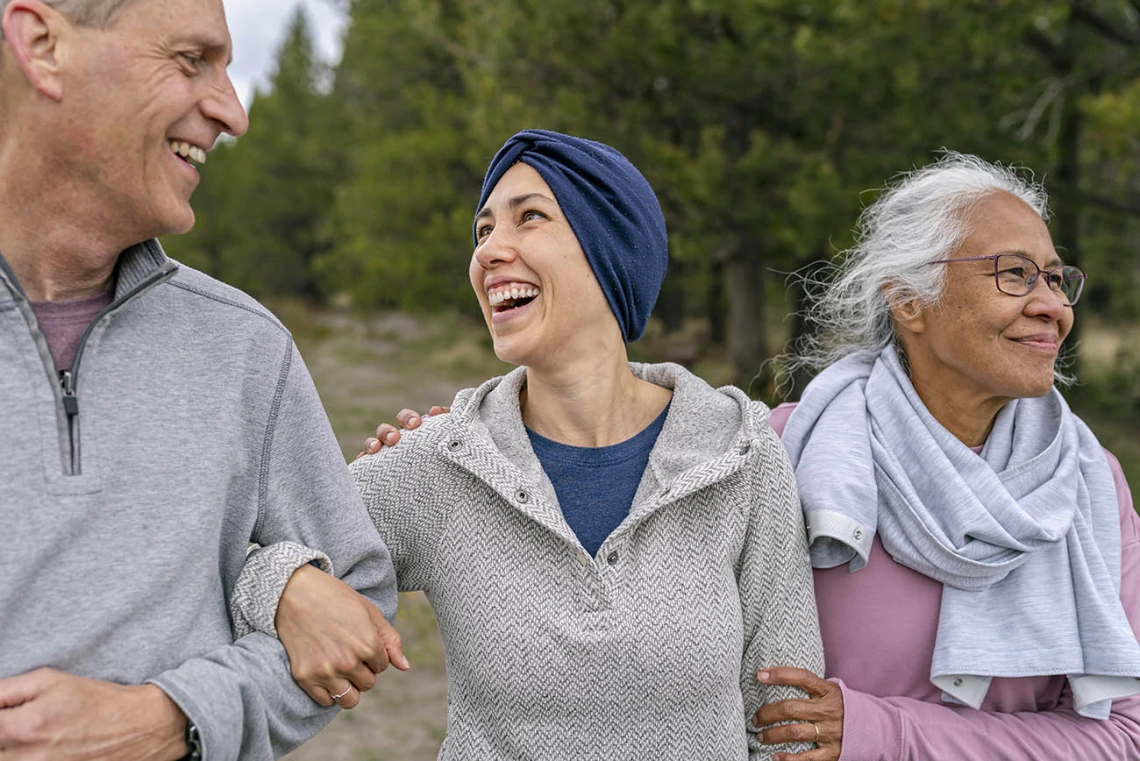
column 1025, row 536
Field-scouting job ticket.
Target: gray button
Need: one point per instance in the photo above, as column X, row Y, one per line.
column 958, row 682
column 858, row 534
column 613, row 558
column 522, row 497
column 455, row 445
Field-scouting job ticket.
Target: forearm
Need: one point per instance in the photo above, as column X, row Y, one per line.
column 243, row 700
column 777, row 597
column 905, row 729
column 267, row 570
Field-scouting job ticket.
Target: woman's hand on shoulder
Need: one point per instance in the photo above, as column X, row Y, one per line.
column 336, row 639
column 388, row 435
column 818, row 719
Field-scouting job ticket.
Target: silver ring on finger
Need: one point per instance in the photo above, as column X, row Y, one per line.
column 336, row 698
column 814, row 725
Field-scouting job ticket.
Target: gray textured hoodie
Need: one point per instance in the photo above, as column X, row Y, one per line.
column 188, row 429
column 648, row 650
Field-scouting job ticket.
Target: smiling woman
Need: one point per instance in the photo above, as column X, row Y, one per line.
column 614, row 551
column 977, row 555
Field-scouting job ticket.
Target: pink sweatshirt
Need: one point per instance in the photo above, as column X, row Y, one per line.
column 879, row 627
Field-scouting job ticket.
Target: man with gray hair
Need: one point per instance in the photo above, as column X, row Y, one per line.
column 117, row 558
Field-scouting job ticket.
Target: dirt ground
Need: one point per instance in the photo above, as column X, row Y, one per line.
column 366, row 371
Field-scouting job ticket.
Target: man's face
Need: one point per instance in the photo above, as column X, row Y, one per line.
column 145, row 99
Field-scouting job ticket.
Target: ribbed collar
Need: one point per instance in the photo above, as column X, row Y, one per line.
column 135, row 265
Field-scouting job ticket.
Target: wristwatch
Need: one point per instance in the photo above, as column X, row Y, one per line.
column 193, row 742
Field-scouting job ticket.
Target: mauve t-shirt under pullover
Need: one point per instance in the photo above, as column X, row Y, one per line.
column 63, row 323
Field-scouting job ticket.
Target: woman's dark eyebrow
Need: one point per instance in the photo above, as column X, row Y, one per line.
column 518, row 201
column 515, row 202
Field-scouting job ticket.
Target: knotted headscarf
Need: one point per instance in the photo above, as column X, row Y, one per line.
column 610, row 207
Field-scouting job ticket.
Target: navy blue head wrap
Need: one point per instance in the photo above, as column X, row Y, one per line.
column 611, row 209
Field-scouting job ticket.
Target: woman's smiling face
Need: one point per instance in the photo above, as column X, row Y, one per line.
column 539, row 296
column 980, row 345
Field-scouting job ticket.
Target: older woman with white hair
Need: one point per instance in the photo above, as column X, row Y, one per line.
column 977, row 554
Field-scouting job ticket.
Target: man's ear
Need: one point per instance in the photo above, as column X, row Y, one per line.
column 32, row 31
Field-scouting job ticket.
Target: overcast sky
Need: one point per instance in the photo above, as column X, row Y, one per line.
column 258, row 27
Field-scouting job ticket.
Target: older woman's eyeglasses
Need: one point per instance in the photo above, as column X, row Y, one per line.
column 1016, row 275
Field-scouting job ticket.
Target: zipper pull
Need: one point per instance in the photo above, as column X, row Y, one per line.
column 70, row 400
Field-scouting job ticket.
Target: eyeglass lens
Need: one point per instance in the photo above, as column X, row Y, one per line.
column 1016, row 275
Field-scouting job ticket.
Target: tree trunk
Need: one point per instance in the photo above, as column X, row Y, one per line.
column 715, row 308
column 670, row 307
column 747, row 340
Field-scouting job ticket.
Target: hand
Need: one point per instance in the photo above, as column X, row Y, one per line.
column 337, row 640
column 48, row 714
column 388, row 435
column 823, row 712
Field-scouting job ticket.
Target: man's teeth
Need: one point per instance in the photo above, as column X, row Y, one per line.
column 513, row 294
column 187, row 151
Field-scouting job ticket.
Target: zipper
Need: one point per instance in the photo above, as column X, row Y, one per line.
column 69, row 379
column 71, row 409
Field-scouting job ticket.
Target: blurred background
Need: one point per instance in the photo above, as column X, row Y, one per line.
column 764, row 125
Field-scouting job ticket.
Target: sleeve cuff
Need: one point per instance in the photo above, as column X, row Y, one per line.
column 871, row 731
column 262, row 581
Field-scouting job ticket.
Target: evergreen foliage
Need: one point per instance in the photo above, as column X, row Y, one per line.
column 761, row 123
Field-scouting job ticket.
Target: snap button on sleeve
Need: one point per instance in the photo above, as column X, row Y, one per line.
column 522, row 497
column 858, row 534
column 455, row 445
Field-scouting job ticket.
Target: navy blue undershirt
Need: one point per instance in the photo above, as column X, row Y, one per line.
column 596, row 485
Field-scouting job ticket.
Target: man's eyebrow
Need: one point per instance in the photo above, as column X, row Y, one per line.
column 213, row 46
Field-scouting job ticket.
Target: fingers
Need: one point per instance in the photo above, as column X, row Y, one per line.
column 789, row 710
column 393, row 644
column 408, row 420
column 387, row 435
column 346, row 696
column 790, row 733
column 17, row 690
column 363, row 678
column 796, row 677
column 317, row 692
column 816, row 754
